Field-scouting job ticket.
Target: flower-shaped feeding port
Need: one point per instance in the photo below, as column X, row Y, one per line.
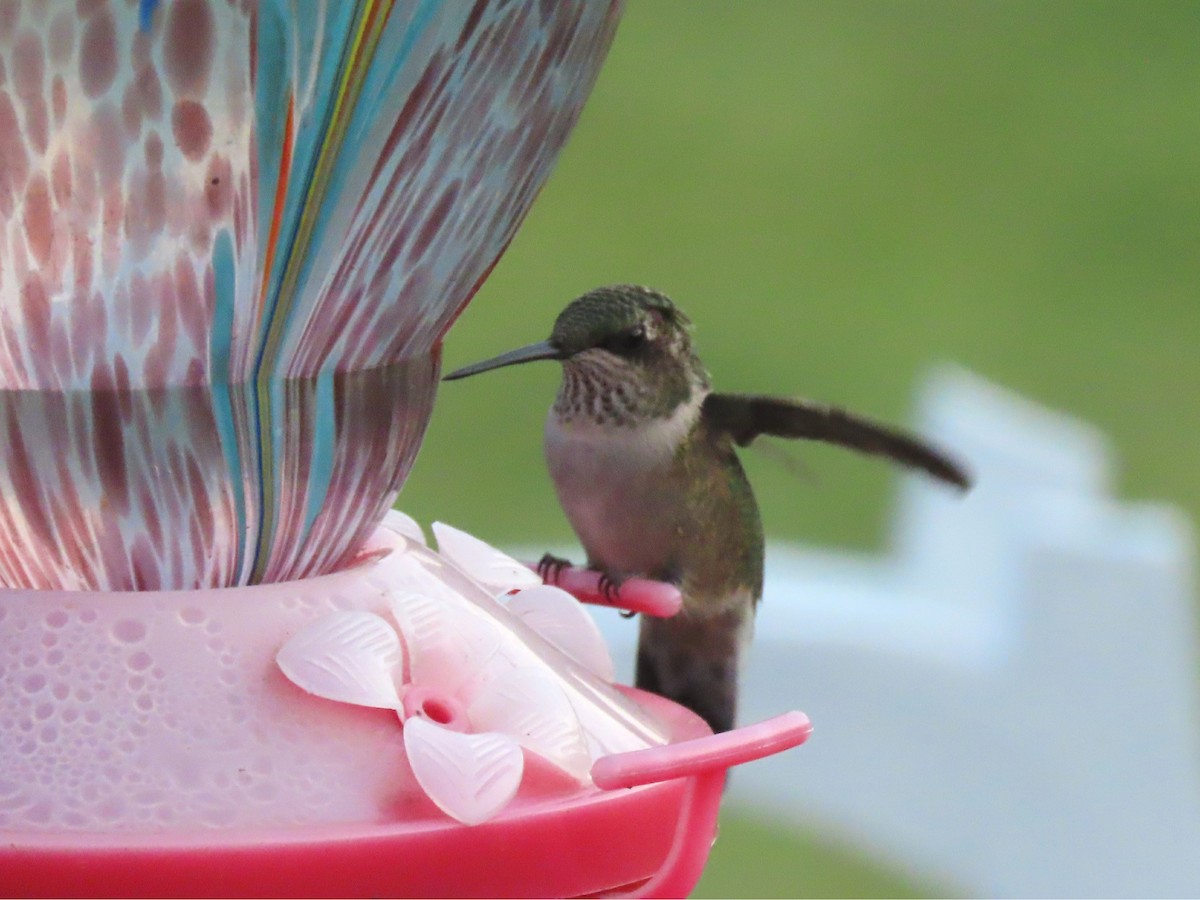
column 468, row 710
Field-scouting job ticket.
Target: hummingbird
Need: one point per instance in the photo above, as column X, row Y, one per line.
column 643, row 456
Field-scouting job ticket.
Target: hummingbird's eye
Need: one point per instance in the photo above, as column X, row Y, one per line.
column 626, row 342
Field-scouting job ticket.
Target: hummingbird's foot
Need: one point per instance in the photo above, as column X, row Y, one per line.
column 610, row 586
column 550, row 568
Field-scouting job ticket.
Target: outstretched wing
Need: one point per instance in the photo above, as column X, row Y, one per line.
column 744, row 417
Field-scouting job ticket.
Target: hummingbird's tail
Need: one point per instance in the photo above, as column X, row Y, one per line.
column 694, row 661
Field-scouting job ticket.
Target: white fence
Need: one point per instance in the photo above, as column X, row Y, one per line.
column 1007, row 701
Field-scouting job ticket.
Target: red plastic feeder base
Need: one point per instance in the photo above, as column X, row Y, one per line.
column 160, row 706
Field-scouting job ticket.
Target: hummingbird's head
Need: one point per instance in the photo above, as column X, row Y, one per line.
column 632, row 323
column 625, row 350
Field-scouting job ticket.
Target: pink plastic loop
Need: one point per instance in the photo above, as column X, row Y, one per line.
column 639, row 595
column 704, row 754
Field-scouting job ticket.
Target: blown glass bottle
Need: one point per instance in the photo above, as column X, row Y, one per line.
column 232, row 236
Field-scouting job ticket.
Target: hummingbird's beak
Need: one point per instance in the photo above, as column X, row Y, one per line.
column 540, row 350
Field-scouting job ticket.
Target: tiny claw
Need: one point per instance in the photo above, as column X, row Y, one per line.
column 550, row 567
column 610, row 587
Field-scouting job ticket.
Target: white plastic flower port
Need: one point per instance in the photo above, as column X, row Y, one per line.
column 471, row 689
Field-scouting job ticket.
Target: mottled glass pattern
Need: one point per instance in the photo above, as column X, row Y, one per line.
column 232, row 236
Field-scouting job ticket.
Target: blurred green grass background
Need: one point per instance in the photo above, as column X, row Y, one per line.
column 841, row 194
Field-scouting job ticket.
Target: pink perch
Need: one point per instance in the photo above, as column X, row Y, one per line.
column 638, row 595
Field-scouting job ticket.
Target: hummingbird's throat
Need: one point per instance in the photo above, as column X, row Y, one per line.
column 600, row 391
column 604, row 389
